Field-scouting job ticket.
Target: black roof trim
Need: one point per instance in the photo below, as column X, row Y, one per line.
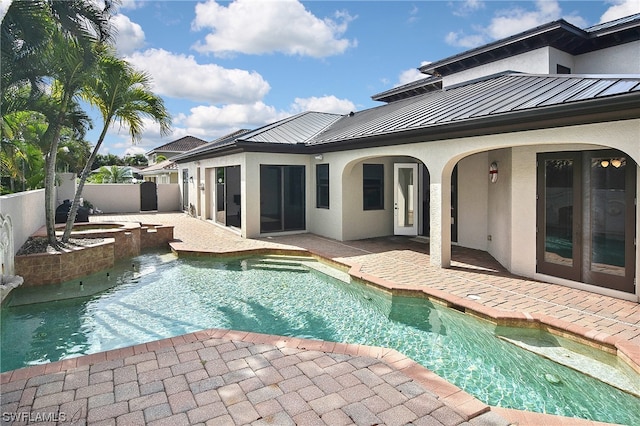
column 415, row 88
column 559, row 34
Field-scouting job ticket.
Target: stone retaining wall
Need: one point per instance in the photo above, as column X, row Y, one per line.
column 54, row 268
column 121, row 240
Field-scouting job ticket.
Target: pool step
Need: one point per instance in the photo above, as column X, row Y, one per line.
column 273, row 264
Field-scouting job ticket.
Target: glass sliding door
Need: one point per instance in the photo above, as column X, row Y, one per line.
column 282, row 198
column 586, row 218
column 228, row 187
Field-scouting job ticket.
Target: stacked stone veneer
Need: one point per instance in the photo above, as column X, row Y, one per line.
column 120, row 241
column 54, row 268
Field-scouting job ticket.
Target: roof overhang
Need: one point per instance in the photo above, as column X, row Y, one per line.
column 594, row 111
column 558, row 34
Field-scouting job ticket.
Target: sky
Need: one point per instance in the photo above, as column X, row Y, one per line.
column 221, row 66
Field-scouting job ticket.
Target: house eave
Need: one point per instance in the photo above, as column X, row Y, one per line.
column 595, row 111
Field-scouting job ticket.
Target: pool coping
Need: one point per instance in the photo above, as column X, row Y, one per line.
column 463, row 403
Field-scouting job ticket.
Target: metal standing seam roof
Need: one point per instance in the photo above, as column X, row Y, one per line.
column 492, row 96
column 294, row 130
column 475, row 101
column 297, row 129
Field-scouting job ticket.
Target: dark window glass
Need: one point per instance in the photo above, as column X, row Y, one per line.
column 322, row 186
column 373, row 186
column 282, row 198
column 561, row 69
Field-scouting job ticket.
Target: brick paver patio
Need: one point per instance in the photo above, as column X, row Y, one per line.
column 229, row 377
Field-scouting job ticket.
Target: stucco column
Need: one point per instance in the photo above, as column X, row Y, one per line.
column 440, row 217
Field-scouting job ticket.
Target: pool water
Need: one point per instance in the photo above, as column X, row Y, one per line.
column 157, row 296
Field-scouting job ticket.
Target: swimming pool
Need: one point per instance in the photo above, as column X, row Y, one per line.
column 157, row 296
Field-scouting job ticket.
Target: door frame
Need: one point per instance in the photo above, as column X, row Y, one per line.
column 398, row 201
column 581, row 269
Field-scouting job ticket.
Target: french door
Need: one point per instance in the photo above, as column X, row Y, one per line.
column 405, row 199
column 586, row 217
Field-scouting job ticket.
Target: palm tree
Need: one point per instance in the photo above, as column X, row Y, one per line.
column 49, row 40
column 72, row 66
column 112, row 174
column 122, row 95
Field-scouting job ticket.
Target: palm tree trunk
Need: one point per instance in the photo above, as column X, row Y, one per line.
column 52, row 134
column 83, row 178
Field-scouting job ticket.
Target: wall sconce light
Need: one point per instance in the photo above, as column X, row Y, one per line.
column 191, row 179
column 615, row 162
column 493, row 172
column 318, row 157
column 201, row 186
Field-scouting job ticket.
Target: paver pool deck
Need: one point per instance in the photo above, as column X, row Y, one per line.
column 232, row 377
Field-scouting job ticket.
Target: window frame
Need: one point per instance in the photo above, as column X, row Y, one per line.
column 322, row 186
column 370, row 186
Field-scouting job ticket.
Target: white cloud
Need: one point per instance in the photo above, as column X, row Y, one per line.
column 180, row 76
column 129, row 35
column 4, row 6
column 413, row 14
column 620, row 9
column 410, row 75
column 511, row 21
column 330, row 104
column 131, row 4
column 466, row 7
column 233, row 115
column 135, row 150
column 258, row 27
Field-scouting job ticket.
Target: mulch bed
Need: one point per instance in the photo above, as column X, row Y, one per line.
column 35, row 245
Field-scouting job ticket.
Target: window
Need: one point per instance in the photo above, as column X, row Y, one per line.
column 561, row 69
column 322, row 186
column 373, row 186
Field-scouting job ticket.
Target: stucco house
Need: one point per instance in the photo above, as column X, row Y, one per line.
column 161, row 168
column 527, row 148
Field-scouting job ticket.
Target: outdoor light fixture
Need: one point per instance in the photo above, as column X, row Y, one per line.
column 615, row 162
column 493, row 172
column 191, row 179
column 318, row 157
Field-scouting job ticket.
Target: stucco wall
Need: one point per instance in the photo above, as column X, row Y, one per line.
column 357, row 222
column 499, row 207
column 113, row 197
column 168, row 197
column 473, row 186
column 534, row 62
column 622, row 59
column 27, row 213
column 125, row 198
